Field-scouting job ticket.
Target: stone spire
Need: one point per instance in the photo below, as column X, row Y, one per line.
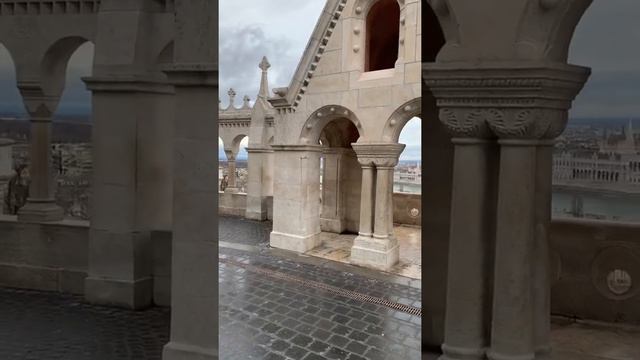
column 232, row 99
column 264, row 82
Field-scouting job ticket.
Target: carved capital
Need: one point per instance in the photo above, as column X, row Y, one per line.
column 378, row 154
column 511, row 102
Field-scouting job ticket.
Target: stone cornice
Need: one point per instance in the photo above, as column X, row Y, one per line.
column 313, row 148
column 127, row 83
column 506, row 101
column 257, row 149
column 192, row 74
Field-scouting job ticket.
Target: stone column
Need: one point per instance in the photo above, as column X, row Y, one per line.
column 520, row 314
column 231, row 171
column 512, row 328
column 470, row 249
column 472, row 230
column 332, row 216
column 194, row 279
column 41, row 204
column 541, row 251
column 296, row 197
column 379, row 250
column 367, row 199
column 257, row 176
column 503, row 263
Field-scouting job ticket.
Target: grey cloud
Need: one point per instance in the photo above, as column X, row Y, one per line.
column 241, row 50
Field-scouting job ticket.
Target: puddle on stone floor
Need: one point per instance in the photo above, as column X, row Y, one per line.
column 337, row 247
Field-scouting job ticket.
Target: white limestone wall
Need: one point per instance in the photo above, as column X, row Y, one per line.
column 339, row 78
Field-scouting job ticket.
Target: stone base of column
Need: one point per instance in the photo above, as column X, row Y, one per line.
column 296, row 243
column 543, row 353
column 134, row 295
column 47, row 211
column 457, row 353
column 259, row 215
column 495, row 356
column 232, row 190
column 177, row 351
column 376, row 253
column 332, row 225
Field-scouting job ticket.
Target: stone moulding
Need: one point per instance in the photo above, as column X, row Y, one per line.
column 127, row 84
column 507, row 102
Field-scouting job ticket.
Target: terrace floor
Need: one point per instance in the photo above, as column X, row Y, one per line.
column 273, row 305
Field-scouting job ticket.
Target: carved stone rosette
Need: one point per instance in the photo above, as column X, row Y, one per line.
column 523, row 102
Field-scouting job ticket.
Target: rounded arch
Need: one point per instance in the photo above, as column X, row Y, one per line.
column 53, row 67
column 399, row 118
column 236, row 142
column 547, row 27
column 10, row 99
column 319, row 119
column 442, row 29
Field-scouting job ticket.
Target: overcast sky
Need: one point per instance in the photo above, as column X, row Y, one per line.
column 607, row 40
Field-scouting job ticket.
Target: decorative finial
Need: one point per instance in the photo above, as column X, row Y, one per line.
column 264, row 64
column 264, row 81
column 232, row 98
column 245, row 102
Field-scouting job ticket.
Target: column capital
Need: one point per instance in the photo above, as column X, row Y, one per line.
column 509, row 101
column 378, row 154
column 38, row 104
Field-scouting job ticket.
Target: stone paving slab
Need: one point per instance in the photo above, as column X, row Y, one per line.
column 37, row 325
column 266, row 318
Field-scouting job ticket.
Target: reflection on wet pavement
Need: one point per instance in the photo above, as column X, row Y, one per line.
column 267, row 317
column 337, row 247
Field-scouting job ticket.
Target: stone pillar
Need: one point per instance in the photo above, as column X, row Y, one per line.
column 472, row 219
column 470, row 249
column 41, row 204
column 296, row 197
column 520, row 314
column 194, row 278
column 258, row 175
column 512, row 328
column 503, row 263
column 367, row 199
column 120, row 248
column 541, row 251
column 231, row 171
column 332, row 215
column 379, row 250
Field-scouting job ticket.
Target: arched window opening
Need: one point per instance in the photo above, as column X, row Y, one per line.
column 408, row 172
column 383, row 34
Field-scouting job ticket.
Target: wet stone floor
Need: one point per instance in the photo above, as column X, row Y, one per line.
column 268, row 310
column 38, row 325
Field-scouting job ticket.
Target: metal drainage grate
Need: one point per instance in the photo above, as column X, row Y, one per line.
column 329, row 288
